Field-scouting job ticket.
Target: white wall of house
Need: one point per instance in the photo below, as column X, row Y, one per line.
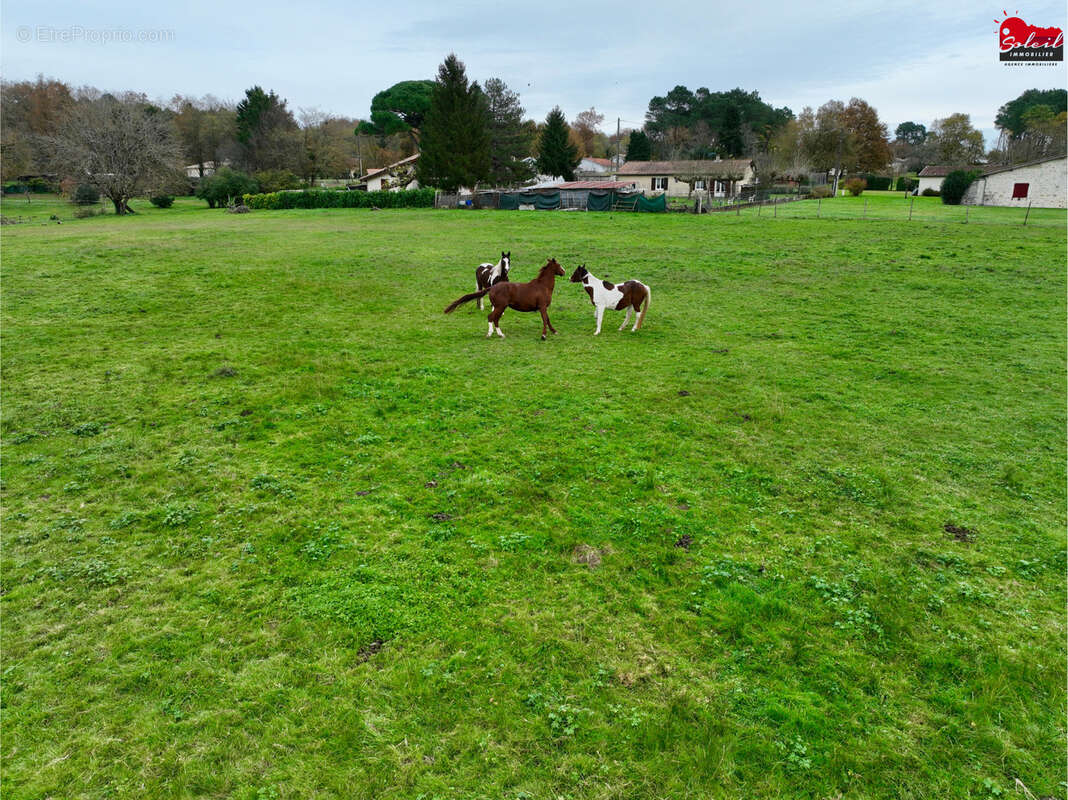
column 375, row 184
column 1047, row 184
column 931, row 183
column 675, row 188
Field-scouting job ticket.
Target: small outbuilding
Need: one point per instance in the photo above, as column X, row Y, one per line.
column 931, row 177
column 394, row 178
column 1042, row 184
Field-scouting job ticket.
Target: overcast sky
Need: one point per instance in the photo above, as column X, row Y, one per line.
column 911, row 60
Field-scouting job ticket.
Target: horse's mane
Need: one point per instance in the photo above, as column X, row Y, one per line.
column 548, row 265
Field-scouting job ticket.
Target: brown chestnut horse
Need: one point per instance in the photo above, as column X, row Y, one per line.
column 535, row 295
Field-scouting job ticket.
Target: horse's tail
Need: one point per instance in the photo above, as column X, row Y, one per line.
column 645, row 306
column 466, row 298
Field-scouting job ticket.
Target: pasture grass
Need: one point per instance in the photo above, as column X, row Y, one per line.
column 276, row 527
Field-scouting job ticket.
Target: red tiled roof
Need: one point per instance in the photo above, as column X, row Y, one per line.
column 714, row 169
column 593, row 185
column 373, row 172
column 934, row 171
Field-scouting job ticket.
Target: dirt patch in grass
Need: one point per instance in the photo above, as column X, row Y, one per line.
column 589, row 556
column 959, row 532
column 684, row 541
column 369, row 649
column 441, row 516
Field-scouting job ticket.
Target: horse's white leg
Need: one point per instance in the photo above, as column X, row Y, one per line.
column 600, row 314
column 499, row 333
column 489, row 333
column 626, row 319
column 478, row 300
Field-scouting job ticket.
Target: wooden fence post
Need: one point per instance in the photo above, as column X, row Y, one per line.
column 819, row 205
column 774, row 209
column 1027, row 214
column 913, row 200
column 865, row 208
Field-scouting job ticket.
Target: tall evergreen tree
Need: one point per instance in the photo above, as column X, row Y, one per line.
column 556, row 154
column 510, row 139
column 455, row 142
column 639, row 148
column 266, row 130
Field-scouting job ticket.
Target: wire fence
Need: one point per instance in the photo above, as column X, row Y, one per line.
column 908, row 209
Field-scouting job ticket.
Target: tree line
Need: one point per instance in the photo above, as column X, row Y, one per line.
column 468, row 134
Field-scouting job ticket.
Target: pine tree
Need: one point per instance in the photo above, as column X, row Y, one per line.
column 455, row 143
column 510, row 139
column 556, row 154
column 639, row 148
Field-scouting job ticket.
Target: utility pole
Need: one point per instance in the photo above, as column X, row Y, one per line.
column 619, row 146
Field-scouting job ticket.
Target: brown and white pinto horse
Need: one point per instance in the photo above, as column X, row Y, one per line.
column 535, row 295
column 487, row 274
column 628, row 295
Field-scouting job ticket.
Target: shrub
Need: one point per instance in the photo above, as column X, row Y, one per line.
column 821, row 191
column 930, row 192
column 956, row 184
column 275, row 180
column 41, row 185
column 855, row 186
column 877, row 183
column 331, row 198
column 905, row 184
column 162, row 201
column 225, row 185
column 85, row 195
column 14, row 187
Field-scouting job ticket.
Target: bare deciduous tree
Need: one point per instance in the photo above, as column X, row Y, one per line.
column 123, row 148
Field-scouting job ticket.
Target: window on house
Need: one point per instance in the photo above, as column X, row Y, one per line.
column 699, row 184
column 721, row 187
column 1019, row 190
column 660, row 184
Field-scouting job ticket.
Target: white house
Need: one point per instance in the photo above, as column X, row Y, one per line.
column 594, row 169
column 931, row 177
column 193, row 170
column 723, row 178
column 395, row 177
column 1042, row 183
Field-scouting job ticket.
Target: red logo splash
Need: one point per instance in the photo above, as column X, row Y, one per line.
column 1014, row 34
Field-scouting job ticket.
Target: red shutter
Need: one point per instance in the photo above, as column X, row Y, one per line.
column 1019, row 191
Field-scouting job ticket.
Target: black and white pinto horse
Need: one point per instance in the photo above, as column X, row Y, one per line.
column 627, row 295
column 487, row 274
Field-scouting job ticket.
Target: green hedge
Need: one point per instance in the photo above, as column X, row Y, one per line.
column 330, row 198
column 878, row 183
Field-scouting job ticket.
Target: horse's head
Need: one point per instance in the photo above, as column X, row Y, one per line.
column 506, row 262
column 579, row 274
column 555, row 268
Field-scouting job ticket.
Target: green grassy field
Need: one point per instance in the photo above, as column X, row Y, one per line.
column 276, row 527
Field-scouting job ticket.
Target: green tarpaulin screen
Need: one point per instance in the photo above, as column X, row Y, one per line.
column 606, row 200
